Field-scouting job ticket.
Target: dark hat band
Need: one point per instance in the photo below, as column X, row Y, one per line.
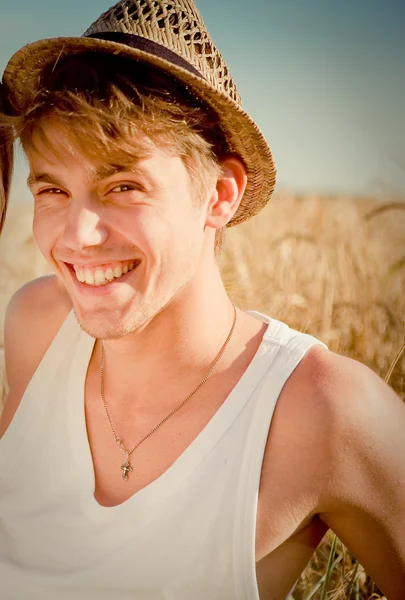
column 141, row 43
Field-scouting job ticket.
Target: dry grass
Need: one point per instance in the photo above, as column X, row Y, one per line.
column 334, row 267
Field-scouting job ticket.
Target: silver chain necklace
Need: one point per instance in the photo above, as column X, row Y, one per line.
column 126, row 467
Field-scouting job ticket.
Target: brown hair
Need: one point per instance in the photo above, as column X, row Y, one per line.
column 6, row 164
column 120, row 107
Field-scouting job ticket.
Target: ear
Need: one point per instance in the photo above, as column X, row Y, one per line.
column 228, row 193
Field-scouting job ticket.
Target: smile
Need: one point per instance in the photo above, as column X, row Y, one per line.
column 103, row 274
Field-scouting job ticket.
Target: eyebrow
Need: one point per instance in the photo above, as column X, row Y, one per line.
column 105, row 171
column 42, row 178
column 98, row 174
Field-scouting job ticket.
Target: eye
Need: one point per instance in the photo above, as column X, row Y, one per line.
column 51, row 191
column 124, row 187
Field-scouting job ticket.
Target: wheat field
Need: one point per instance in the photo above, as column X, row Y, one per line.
column 331, row 266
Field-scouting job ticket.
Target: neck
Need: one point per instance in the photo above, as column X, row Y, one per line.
column 176, row 348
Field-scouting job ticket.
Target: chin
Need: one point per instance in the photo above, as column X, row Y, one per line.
column 100, row 329
column 113, row 324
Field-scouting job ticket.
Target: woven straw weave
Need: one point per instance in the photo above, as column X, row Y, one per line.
column 177, row 26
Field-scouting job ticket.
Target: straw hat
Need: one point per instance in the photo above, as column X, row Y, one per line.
column 168, row 34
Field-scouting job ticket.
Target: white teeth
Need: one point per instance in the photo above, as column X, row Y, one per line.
column 109, row 274
column 99, row 276
column 88, row 277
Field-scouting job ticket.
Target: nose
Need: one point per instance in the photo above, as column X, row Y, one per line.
column 84, row 226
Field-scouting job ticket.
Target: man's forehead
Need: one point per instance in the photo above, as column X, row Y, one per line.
column 56, row 152
column 54, row 142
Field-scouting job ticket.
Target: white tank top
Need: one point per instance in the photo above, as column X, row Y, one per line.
column 189, row 535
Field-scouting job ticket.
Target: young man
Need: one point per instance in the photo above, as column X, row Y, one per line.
column 137, row 458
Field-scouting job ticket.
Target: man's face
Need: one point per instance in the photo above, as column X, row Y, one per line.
column 125, row 243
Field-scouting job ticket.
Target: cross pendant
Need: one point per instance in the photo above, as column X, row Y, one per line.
column 126, row 468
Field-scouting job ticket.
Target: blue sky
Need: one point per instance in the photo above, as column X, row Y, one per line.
column 324, row 80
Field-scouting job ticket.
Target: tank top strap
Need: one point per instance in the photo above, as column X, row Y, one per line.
column 60, row 348
column 291, row 346
column 281, row 334
column 40, row 395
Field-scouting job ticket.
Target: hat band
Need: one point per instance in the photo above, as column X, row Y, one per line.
column 141, row 43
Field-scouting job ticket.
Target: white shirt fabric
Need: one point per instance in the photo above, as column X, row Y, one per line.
column 189, row 535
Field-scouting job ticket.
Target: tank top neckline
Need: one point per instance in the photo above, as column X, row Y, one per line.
column 154, row 493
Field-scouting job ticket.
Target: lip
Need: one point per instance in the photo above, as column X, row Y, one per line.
column 92, row 264
column 102, row 290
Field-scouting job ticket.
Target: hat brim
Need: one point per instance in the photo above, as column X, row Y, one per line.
column 243, row 137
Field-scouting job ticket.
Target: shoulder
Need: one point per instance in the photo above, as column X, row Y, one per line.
column 338, row 388
column 345, row 393
column 39, row 295
column 33, row 317
column 350, row 421
column 334, row 417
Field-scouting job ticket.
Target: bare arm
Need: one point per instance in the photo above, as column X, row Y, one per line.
column 363, row 499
